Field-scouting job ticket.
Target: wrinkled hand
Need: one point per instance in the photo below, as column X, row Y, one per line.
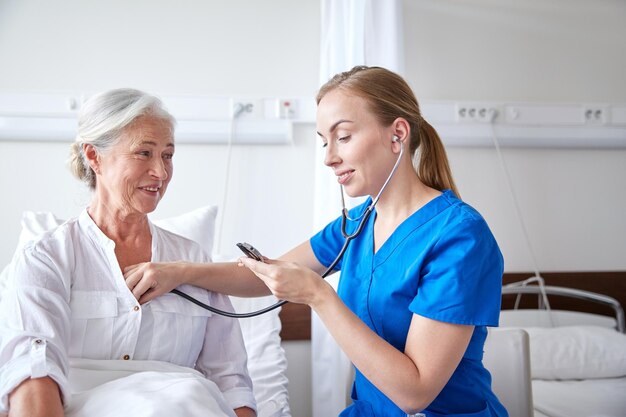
column 245, row 412
column 148, row 280
column 287, row 280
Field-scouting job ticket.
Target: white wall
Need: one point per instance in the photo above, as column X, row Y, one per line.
column 234, row 48
column 537, row 50
column 559, row 51
column 166, row 46
column 531, row 50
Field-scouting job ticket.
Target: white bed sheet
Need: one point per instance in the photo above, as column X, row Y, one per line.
column 141, row 389
column 605, row 397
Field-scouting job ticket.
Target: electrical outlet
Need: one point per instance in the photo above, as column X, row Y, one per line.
column 287, row 109
column 247, row 109
column 595, row 115
column 475, row 113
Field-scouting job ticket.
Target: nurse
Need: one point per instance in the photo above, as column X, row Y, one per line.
column 418, row 286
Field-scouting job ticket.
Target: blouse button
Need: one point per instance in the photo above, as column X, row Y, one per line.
column 126, row 357
column 136, row 308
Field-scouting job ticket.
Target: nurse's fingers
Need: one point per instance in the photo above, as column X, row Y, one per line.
column 270, row 273
column 287, row 280
column 265, row 268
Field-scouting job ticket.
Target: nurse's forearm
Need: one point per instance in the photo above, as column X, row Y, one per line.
column 36, row 397
column 394, row 373
column 229, row 278
column 226, row 278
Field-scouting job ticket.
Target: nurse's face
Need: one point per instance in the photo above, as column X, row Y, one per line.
column 358, row 148
column 134, row 174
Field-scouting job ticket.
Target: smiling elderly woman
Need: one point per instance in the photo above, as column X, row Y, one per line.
column 66, row 296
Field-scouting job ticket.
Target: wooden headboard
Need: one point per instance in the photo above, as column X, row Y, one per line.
column 296, row 318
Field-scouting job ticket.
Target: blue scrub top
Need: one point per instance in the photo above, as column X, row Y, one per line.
column 442, row 263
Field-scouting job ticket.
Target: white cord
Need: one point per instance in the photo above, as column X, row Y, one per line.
column 537, row 277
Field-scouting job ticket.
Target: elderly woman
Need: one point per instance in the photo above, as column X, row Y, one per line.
column 66, row 296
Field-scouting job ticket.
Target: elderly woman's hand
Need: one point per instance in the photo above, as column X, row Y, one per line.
column 148, row 280
column 245, row 412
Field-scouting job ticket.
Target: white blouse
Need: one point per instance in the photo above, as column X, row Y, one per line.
column 66, row 297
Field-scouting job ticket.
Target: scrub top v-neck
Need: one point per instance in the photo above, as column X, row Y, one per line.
column 442, row 263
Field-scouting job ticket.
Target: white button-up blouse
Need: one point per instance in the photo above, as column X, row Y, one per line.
column 66, row 297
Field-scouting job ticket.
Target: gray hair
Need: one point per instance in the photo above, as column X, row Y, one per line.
column 102, row 119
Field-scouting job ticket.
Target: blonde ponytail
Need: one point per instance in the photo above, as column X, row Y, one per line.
column 432, row 167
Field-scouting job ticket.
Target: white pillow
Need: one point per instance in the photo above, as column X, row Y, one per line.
column 576, row 352
column 267, row 363
column 197, row 225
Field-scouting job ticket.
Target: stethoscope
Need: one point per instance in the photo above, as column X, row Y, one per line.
column 347, row 236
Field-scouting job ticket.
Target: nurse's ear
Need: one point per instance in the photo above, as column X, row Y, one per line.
column 401, row 132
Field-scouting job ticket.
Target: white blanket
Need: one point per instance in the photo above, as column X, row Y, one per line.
column 141, row 389
column 583, row 398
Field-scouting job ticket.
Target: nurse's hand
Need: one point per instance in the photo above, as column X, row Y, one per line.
column 288, row 280
column 149, row 280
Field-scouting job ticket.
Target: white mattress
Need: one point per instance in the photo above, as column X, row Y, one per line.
column 605, row 397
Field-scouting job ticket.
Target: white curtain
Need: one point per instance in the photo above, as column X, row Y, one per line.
column 353, row 32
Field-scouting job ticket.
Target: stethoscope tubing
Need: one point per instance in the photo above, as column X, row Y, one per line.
column 348, row 238
column 280, row 303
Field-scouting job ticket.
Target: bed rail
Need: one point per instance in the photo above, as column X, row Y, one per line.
column 594, row 297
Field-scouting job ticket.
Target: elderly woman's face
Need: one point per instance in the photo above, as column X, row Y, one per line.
column 135, row 173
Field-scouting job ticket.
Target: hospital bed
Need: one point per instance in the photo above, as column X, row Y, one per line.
column 576, row 361
column 555, row 363
column 267, row 363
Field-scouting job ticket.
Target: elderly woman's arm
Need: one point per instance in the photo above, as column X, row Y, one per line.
column 36, row 397
column 149, row 280
column 34, row 324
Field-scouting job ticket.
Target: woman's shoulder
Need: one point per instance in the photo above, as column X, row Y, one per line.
column 55, row 238
column 461, row 216
column 47, row 257
column 461, row 210
column 461, row 229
